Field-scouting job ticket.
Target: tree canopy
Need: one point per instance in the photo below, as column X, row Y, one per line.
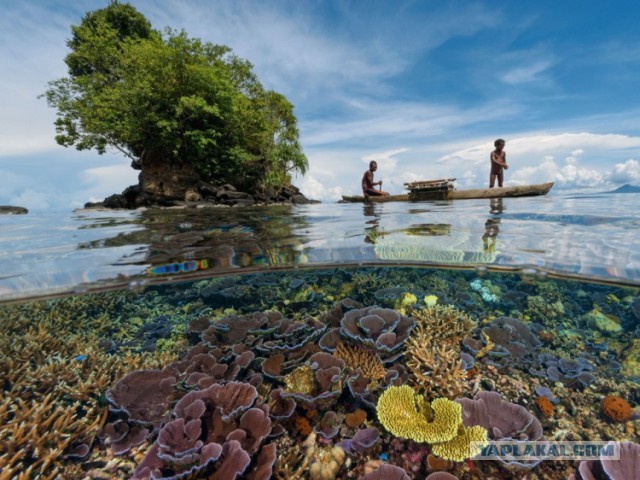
column 173, row 99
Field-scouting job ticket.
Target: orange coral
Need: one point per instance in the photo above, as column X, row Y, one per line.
column 544, row 406
column 355, row 419
column 303, row 426
column 359, row 357
column 616, row 408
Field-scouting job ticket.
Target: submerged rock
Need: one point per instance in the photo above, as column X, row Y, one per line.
column 9, row 210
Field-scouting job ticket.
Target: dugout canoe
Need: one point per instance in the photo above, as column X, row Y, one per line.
column 498, row 192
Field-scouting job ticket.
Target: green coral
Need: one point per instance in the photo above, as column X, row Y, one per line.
column 406, row 414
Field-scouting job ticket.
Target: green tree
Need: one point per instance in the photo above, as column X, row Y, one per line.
column 165, row 99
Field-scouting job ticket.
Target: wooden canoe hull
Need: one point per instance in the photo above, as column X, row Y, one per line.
column 517, row 191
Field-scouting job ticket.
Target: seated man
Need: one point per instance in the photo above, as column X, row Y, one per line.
column 368, row 183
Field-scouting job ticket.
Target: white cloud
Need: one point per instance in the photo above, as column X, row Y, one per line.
column 627, row 172
column 32, row 200
column 109, row 179
column 527, row 74
column 314, row 189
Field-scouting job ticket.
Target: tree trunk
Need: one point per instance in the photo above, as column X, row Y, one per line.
column 169, row 181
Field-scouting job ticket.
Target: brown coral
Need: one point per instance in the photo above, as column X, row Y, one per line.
column 355, row 419
column 436, row 370
column 358, row 357
column 545, row 407
column 443, row 323
column 51, row 405
column 303, row 426
column 616, row 408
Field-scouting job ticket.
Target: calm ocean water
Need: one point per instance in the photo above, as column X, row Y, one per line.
column 592, row 236
column 307, row 342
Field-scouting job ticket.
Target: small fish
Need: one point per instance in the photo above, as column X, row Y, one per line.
column 80, row 358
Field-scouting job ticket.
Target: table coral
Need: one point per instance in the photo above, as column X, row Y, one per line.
column 408, row 415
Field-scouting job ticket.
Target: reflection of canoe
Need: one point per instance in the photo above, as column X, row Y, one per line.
column 519, row 191
column 457, row 248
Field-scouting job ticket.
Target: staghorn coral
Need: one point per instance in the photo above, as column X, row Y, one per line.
column 358, row 357
column 54, row 373
column 436, row 370
column 443, row 323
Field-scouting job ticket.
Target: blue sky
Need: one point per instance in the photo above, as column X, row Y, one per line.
column 423, row 87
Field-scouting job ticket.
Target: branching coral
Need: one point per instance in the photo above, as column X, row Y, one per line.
column 436, row 370
column 433, row 354
column 444, row 323
column 358, row 357
column 54, row 374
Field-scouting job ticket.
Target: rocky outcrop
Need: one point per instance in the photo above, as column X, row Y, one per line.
column 157, row 194
column 9, row 210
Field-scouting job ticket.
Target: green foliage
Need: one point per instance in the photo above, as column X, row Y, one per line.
column 169, row 98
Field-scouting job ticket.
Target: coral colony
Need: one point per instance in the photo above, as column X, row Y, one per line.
column 377, row 373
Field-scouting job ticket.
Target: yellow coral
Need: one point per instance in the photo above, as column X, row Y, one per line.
column 430, row 300
column 406, row 300
column 407, row 415
column 467, row 444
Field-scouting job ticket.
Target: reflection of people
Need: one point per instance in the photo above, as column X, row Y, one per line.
column 368, row 183
column 492, row 226
column 498, row 163
column 371, row 228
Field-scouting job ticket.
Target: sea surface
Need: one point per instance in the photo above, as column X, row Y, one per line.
column 320, row 341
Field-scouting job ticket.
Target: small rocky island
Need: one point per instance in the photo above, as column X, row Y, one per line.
column 198, row 193
column 192, row 116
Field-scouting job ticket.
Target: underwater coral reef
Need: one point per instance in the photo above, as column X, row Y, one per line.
column 322, row 374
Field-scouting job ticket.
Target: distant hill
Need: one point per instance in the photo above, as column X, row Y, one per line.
column 626, row 188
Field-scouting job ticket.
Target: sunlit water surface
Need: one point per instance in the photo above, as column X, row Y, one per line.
column 595, row 236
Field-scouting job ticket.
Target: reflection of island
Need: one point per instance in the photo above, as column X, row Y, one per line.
column 492, row 226
column 182, row 241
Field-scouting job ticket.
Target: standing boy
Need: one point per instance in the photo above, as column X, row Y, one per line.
column 498, row 163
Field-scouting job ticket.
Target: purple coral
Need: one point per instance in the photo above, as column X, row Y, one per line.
column 503, row 420
column 571, row 372
column 387, row 472
column 327, row 376
column 627, row 468
column 383, row 328
column 217, row 429
column 361, row 441
column 145, row 395
column 513, row 342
